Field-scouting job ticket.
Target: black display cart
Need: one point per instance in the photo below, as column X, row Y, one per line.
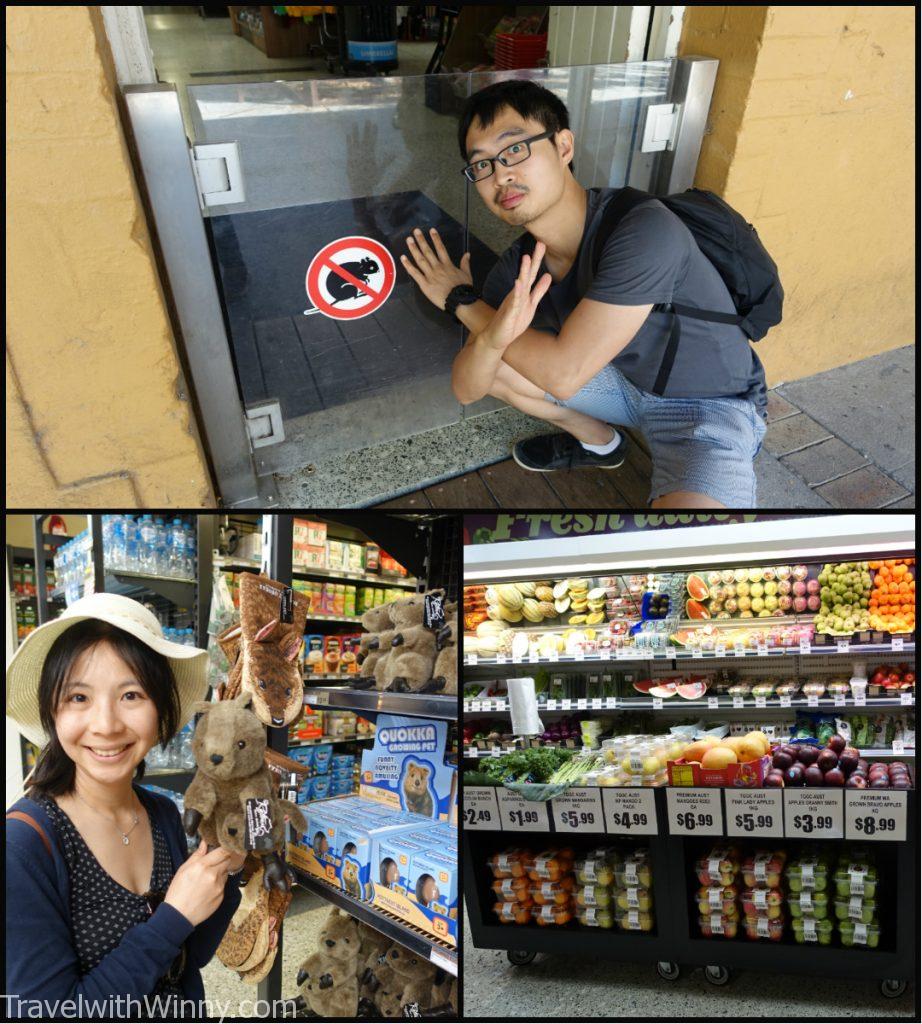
column 494, row 822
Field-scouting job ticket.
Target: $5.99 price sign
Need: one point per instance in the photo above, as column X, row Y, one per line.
column 520, row 815
column 578, row 810
column 695, row 812
column 754, row 812
column 875, row 816
column 480, row 808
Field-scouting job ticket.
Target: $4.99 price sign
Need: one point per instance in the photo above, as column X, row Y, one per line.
column 520, row 815
column 630, row 812
column 695, row 812
column 578, row 810
column 754, row 812
column 875, row 816
column 480, row 808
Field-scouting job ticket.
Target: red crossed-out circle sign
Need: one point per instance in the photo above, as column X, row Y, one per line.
column 350, row 278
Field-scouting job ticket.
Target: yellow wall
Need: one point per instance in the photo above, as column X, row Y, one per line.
column 93, row 414
column 19, row 529
column 811, row 139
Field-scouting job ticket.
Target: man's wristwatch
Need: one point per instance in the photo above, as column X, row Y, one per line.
column 461, row 295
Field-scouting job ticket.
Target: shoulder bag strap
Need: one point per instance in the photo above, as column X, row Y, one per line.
column 22, row 816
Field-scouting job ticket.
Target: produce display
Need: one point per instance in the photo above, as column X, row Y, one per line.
column 836, row 764
column 751, row 593
column 767, row 894
column 845, row 593
column 893, row 600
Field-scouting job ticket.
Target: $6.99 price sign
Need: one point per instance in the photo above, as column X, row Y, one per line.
column 695, row 812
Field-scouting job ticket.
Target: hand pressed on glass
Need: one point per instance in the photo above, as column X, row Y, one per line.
column 518, row 308
column 434, row 272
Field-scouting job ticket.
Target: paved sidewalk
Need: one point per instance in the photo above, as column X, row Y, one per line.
column 845, row 438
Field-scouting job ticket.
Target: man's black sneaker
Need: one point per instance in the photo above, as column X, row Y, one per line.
column 549, row 452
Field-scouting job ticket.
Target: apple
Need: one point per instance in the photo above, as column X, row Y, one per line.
column 782, row 760
column 813, row 586
column 800, row 604
column 827, row 760
column 879, row 676
column 800, row 588
column 813, row 776
column 807, row 754
column 848, row 760
column 862, row 763
column 774, row 779
column 881, row 782
column 784, row 587
column 901, row 782
column 836, row 743
column 855, row 781
column 899, row 764
column 834, row 777
column 794, row 776
column 813, row 603
column 909, row 679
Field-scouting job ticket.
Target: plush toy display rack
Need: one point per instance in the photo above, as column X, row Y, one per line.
column 496, row 819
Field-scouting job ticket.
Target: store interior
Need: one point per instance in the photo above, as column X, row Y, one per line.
column 189, row 570
column 689, row 766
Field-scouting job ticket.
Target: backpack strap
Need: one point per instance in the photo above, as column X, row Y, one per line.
column 22, row 816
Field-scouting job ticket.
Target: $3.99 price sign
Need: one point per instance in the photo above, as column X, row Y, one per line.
column 812, row 814
column 520, row 815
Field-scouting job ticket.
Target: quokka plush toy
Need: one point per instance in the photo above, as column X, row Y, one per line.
column 374, row 647
column 445, row 670
column 409, row 666
column 229, row 746
column 405, row 980
column 329, row 977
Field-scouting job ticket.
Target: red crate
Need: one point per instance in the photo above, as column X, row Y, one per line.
column 748, row 775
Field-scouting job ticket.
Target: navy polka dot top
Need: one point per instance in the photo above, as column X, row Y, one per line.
column 102, row 910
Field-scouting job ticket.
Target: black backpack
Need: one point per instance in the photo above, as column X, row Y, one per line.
column 729, row 242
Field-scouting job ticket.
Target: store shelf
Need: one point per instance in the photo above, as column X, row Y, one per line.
column 316, row 617
column 671, row 704
column 323, row 574
column 179, row 591
column 362, row 701
column 330, row 739
column 398, row 931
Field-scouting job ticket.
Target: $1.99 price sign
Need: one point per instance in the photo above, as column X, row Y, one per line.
column 695, row 812
column 520, row 815
column 578, row 810
column 754, row 812
column 877, row 817
column 480, row 808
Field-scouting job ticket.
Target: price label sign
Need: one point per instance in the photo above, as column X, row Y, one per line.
column 739, row 650
column 520, row 815
column 565, row 704
column 578, row 810
column 755, row 812
column 785, row 700
column 697, row 652
column 761, row 650
column 516, row 659
column 596, row 704
column 533, row 656
column 739, row 702
column 471, row 659
column 475, row 705
column 552, row 704
column 579, row 654
column 480, row 808
column 813, row 701
column 896, row 643
column 713, row 703
column 720, row 651
column 906, row 699
column 316, row 697
column 605, row 654
column 899, row 747
column 629, row 812
column 622, row 654
column 842, row 646
column 500, row 659
column 760, row 702
column 657, row 703
column 695, row 812
column 859, row 700
column 581, row 704
column 875, row 816
column 812, row 814
column 804, row 645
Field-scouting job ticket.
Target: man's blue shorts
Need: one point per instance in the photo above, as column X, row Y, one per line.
column 706, row 445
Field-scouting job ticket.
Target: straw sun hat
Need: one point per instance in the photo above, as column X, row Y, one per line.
column 189, row 664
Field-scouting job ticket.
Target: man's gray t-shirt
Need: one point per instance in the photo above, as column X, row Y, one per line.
column 651, row 257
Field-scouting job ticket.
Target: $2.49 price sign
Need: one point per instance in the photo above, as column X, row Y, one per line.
column 875, row 816
column 695, row 812
column 520, row 815
column 578, row 810
column 480, row 808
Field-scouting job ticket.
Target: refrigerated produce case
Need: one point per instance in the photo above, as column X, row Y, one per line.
column 678, row 824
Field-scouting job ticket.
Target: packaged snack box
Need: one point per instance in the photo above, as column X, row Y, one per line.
column 323, row 752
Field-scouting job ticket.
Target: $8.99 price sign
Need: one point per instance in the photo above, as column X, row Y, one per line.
column 877, row 817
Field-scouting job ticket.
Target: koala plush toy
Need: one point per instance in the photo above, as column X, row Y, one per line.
column 229, row 744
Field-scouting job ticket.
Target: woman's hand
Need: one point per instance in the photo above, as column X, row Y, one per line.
column 518, row 308
column 197, row 888
column 434, row 272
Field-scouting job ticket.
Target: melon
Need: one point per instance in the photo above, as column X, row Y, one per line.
column 644, row 685
column 665, row 691
column 696, row 610
column 692, row 691
column 697, row 588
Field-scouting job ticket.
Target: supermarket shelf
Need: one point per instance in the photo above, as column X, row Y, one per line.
column 671, row 704
column 326, row 574
column 179, row 591
column 423, row 704
column 330, row 739
column 475, row 753
column 317, row 617
column 683, row 654
column 396, row 930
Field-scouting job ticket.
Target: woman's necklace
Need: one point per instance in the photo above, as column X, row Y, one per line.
column 124, row 835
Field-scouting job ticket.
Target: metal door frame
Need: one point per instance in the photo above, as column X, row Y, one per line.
column 164, row 156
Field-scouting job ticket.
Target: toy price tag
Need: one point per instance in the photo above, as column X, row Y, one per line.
column 581, row 704
column 578, row 810
column 761, row 650
column 813, row 701
column 906, row 699
column 695, row 812
column 480, row 808
column 657, row 703
column 739, row 702
column 720, row 651
column 842, row 646
column 697, row 652
column 519, row 815
column 565, row 704
column 713, row 703
column 875, row 816
column 896, row 643
column 471, row 659
column 760, row 702
column 785, row 701
column 630, row 812
column 812, row 814
column 804, row 645
column 754, row 812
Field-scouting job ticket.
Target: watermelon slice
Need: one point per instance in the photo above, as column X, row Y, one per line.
column 693, row 690
column 697, row 588
column 644, row 685
column 684, row 637
column 696, row 610
column 668, row 689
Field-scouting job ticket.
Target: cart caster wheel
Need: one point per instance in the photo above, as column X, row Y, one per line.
column 667, row 970
column 892, row 988
column 519, row 957
column 716, row 975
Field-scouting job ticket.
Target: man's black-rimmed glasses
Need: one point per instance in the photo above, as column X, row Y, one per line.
column 514, row 154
